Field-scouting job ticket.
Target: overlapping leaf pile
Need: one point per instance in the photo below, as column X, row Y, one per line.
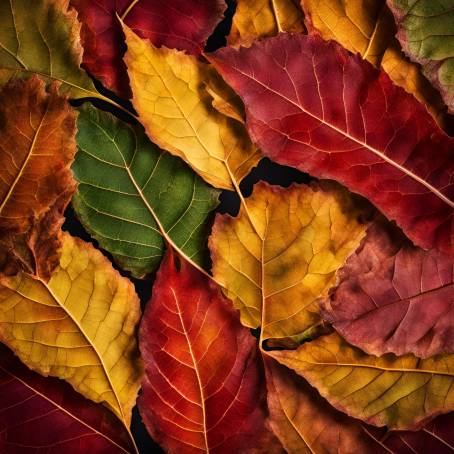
column 319, row 318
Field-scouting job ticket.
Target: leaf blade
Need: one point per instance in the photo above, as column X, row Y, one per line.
column 402, row 392
column 177, row 113
column 202, row 389
column 53, row 24
column 133, row 198
column 80, row 326
column 76, row 423
column 277, row 258
column 381, row 160
column 35, row 181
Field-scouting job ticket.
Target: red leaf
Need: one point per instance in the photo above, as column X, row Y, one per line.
column 172, row 23
column 46, row 415
column 312, row 105
column 203, row 388
column 394, row 297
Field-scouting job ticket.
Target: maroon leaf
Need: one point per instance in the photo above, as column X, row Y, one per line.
column 394, row 297
column 180, row 24
column 312, row 105
column 203, row 389
column 45, row 415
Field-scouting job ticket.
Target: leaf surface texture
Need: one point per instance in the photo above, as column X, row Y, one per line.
column 367, row 27
column 178, row 115
column 255, row 19
column 42, row 37
column 275, row 259
column 394, row 297
column 401, row 392
column 46, row 414
column 202, row 390
column 80, row 326
column 333, row 115
column 132, row 197
column 37, row 145
column 426, row 32
column 172, row 23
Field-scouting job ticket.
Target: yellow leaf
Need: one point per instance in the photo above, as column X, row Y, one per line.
column 401, row 392
column 278, row 257
column 169, row 94
column 80, row 326
column 256, row 19
column 367, row 27
column 225, row 100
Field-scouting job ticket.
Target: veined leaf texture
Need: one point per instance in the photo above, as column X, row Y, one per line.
column 366, row 132
column 226, row 226
column 46, row 414
column 134, row 198
column 175, row 24
column 37, row 146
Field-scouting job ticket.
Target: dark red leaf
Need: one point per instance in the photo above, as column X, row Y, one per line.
column 179, row 24
column 45, row 415
column 394, row 297
column 312, row 105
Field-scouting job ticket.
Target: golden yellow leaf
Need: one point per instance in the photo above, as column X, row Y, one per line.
column 397, row 391
column 80, row 326
column 169, row 94
column 278, row 257
column 367, row 27
column 225, row 100
column 256, row 19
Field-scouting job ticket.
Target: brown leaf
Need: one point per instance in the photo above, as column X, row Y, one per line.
column 37, row 146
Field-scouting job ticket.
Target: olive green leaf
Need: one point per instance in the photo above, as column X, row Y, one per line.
column 133, row 198
column 42, row 37
column 425, row 29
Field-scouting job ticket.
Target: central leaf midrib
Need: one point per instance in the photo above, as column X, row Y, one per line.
column 26, row 160
column 52, row 402
column 383, row 156
column 65, row 309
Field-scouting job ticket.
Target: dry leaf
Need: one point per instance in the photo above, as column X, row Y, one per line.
column 176, row 111
column 279, row 256
column 37, row 146
column 80, row 326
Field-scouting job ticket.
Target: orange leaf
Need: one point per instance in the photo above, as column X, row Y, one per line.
column 37, row 146
column 203, row 388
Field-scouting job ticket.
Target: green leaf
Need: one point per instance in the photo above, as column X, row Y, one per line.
column 132, row 197
column 42, row 37
column 425, row 29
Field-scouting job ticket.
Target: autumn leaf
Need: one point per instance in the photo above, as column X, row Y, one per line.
column 224, row 99
column 133, row 198
column 37, row 145
column 256, row 19
column 42, row 37
column 79, row 327
column 202, row 390
column 394, row 297
column 333, row 115
column 38, row 414
column 403, row 392
column 367, row 27
column 306, row 423
column 425, row 31
column 275, row 259
column 178, row 115
column 172, row 23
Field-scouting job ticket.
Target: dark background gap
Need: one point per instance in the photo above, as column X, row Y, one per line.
column 229, row 203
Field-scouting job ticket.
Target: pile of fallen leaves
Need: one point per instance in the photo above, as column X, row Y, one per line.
column 319, row 319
